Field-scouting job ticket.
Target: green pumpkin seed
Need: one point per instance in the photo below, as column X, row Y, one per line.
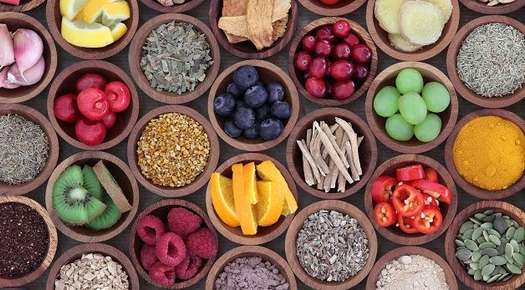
column 495, row 240
column 471, row 271
column 509, row 250
column 489, row 252
column 493, row 278
column 477, row 233
column 488, row 212
column 513, row 268
column 466, row 226
column 489, row 218
column 486, row 226
column 487, row 270
column 484, row 261
column 486, row 245
column 480, row 216
column 499, row 270
column 510, row 232
column 494, row 232
column 477, row 275
column 475, row 256
column 459, row 243
column 519, row 235
column 503, row 276
column 498, row 260
column 467, row 235
column 474, row 220
column 522, row 249
column 519, row 259
column 515, row 245
column 463, row 254
column 500, row 225
column 486, row 236
column 471, row 245
column 474, row 266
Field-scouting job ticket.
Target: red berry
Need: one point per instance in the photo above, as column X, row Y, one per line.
column 308, row 42
column 110, row 120
column 341, row 28
column 323, row 47
column 325, row 33
column 315, row 87
column 90, row 80
column 328, row 65
column 302, row 61
column 341, row 70
column 118, row 96
column 318, row 67
column 342, row 51
column 361, row 53
column 93, row 104
column 89, row 132
column 65, row 108
column 343, row 90
column 360, row 72
column 329, row 2
column 352, row 39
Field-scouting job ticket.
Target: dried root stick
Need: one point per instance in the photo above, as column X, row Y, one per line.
column 352, row 136
column 353, row 169
column 311, row 168
column 333, row 154
column 333, row 140
column 316, row 151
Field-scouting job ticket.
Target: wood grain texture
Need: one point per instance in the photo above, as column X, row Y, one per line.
column 339, row 9
column 450, row 246
column 53, row 242
column 201, row 180
column 177, row 8
column 449, row 156
column 393, row 233
column 267, row 72
column 452, row 53
column 65, row 83
column 296, row 226
column 299, row 80
column 135, row 55
column 122, row 174
column 161, row 209
column 483, row 8
column 27, row 6
column 264, row 234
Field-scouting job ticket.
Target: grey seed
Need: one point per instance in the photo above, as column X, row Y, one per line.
column 509, row 250
column 498, row 260
column 481, row 240
column 500, row 225
column 503, row 276
column 495, row 240
column 487, row 270
column 483, row 261
column 488, row 218
column 472, row 219
column 488, row 212
column 489, row 252
column 513, row 268
column 493, row 278
column 477, row 275
column 499, row 270
column 474, row 266
column 501, row 249
column 475, row 256
column 463, row 254
column 487, row 245
column 477, row 233
column 480, row 216
column 468, row 234
column 471, row 271
column 459, row 243
column 465, row 226
column 522, row 249
column 519, row 235
column 515, row 245
column 510, row 232
column 519, row 259
column 486, row 226
column 486, row 236
column 471, row 245
column 494, row 232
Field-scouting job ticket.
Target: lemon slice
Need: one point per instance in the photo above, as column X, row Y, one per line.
column 118, row 31
column 81, row 34
column 70, row 8
column 106, row 12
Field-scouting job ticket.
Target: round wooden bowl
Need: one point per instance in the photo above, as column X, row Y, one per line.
column 246, row 49
column 449, row 158
column 54, row 148
column 452, row 53
column 250, row 251
column 267, row 72
column 122, row 174
column 177, row 8
column 64, row 84
column 341, row 8
column 377, row 123
column 299, row 80
column 393, row 233
column 54, row 22
column 483, row 8
column 135, row 54
column 53, row 242
column 201, row 180
column 26, row 6
column 368, row 150
column 450, row 246
column 264, row 234
column 296, row 226
column 410, row 250
column 14, row 21
column 380, row 36
column 76, row 253
column 161, row 209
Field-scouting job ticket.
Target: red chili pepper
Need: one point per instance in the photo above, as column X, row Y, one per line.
column 118, row 96
column 382, row 188
column 430, row 201
column 384, row 214
column 92, row 103
column 434, row 189
column 429, row 220
column 407, row 200
column 408, row 173
column 406, row 224
column 431, row 174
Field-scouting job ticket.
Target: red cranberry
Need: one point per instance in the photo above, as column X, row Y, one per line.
column 360, row 72
column 342, row 51
column 323, row 47
column 343, row 90
column 325, row 33
column 341, row 28
column 309, row 42
column 341, row 70
column 361, row 53
column 315, row 87
column 302, row 61
column 318, row 67
column 328, row 65
column 352, row 39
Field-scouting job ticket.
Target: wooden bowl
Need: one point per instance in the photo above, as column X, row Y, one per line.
column 177, row 8
column 450, row 246
column 14, row 21
column 53, row 242
column 264, row 234
column 267, row 72
column 368, row 150
column 135, row 54
column 64, row 83
column 122, row 175
column 27, row 6
column 393, row 233
column 201, row 180
column 299, row 80
column 398, row 252
column 377, row 123
column 250, row 251
column 452, row 53
column 449, row 158
column 247, row 49
column 479, row 7
column 54, row 21
column 297, row 224
column 76, row 253
column 54, row 148
column 339, row 9
column 161, row 209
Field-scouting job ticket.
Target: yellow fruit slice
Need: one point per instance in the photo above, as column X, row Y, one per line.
column 243, row 206
column 107, row 12
column 445, row 6
column 80, row 34
column 387, row 14
column 269, row 172
column 270, row 205
column 118, row 31
column 402, row 44
column 221, row 189
column 421, row 22
column 250, row 180
column 70, row 8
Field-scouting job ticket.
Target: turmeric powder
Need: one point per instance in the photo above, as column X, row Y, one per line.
column 489, row 152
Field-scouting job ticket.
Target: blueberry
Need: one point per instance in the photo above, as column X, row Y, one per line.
column 233, row 89
column 281, row 110
column 255, row 96
column 262, row 112
column 244, row 118
column 252, row 132
column 224, row 105
column 245, row 76
column 240, row 104
column 270, row 129
column 276, row 91
column 232, row 130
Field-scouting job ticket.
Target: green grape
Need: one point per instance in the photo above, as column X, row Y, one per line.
column 436, row 97
column 429, row 129
column 409, row 80
column 398, row 129
column 412, row 107
column 385, row 101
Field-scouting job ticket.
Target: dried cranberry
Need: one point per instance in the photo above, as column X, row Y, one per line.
column 318, row 67
column 342, row 51
column 325, row 33
column 323, row 47
column 361, row 53
column 352, row 39
column 341, row 70
column 341, row 28
column 308, row 42
column 343, row 90
column 360, row 72
column 315, row 87
column 302, row 61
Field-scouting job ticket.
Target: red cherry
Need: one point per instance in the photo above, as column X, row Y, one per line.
column 343, row 90
column 315, row 87
column 325, row 33
column 329, row 2
column 341, row 70
column 323, row 48
column 318, row 67
column 352, row 39
column 65, row 108
column 341, row 28
column 361, row 53
column 89, row 132
column 110, row 120
column 308, row 42
column 360, row 72
column 342, row 51
column 302, row 61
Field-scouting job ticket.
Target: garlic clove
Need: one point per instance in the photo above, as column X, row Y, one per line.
column 3, row 80
column 7, row 52
column 31, row 76
column 28, row 48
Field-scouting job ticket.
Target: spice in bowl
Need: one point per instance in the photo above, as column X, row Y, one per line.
column 489, row 153
column 175, row 57
column 491, row 246
column 169, row 3
column 492, row 3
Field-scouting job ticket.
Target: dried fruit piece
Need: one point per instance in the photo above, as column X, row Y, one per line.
column 402, row 44
column 259, row 20
column 111, row 186
column 421, row 22
column 387, row 14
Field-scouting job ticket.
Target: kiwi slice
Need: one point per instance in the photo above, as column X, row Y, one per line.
column 108, row 218
column 91, row 182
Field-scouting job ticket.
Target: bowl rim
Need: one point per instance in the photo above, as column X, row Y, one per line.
column 295, row 227
column 135, row 52
column 498, row 9
column 100, row 65
column 449, row 159
column 223, row 229
column 294, row 103
column 402, row 147
column 452, row 52
column 365, row 37
column 53, row 241
column 32, row 4
column 339, row 11
column 362, row 126
column 177, row 8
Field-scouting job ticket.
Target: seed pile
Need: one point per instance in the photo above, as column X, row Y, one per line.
column 491, row 246
column 496, row 2
column 173, row 150
column 332, row 246
column 24, row 149
column 491, row 60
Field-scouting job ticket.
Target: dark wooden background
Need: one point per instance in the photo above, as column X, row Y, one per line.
column 147, row 104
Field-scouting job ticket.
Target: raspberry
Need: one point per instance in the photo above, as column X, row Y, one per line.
column 202, row 243
column 170, row 249
column 162, row 275
column 188, row 268
column 150, row 228
column 147, row 256
column 182, row 221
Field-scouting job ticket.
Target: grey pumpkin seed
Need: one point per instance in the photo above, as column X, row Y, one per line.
column 519, row 235
column 477, row 233
column 477, row 275
column 503, row 276
column 488, row 212
column 500, row 225
column 489, row 252
column 468, row 234
column 515, row 245
column 484, row 261
column 471, row 245
column 463, row 254
column 498, row 260
column 487, row 245
column 480, row 216
column 486, row 236
column 471, row 271
column 493, row 278
column 522, row 249
column 509, row 250
column 519, row 259
column 510, row 232
column 513, row 268
column 474, row 266
column 475, row 256
column 487, row 270
column 459, row 243
column 474, row 220
column 466, row 226
column 494, row 232
column 495, row 240
column 486, row 226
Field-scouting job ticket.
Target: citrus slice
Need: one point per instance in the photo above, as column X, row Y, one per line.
column 81, row 34
column 106, row 12
column 222, row 199
column 242, row 202
column 118, row 31
column 250, row 182
column 270, row 205
column 269, row 172
column 70, row 8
